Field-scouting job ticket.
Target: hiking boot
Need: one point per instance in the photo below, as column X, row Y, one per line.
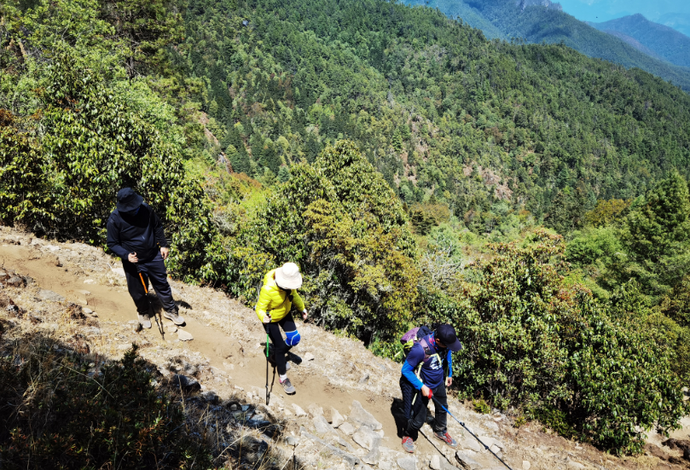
column 144, row 321
column 176, row 319
column 445, row 437
column 408, row 444
column 287, row 386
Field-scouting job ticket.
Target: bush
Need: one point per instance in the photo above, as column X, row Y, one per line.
column 343, row 225
column 60, row 412
column 597, row 371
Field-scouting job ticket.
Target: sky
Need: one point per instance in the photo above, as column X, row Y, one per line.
column 604, row 10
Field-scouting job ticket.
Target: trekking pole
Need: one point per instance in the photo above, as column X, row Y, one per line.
column 268, row 395
column 146, row 289
column 467, row 429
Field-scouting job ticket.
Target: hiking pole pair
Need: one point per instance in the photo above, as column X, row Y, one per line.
column 473, row 435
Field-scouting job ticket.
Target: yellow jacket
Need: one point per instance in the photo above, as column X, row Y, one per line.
column 274, row 300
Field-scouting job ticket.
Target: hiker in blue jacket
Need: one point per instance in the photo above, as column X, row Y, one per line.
column 424, row 376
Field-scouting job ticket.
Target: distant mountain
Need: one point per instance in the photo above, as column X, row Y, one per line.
column 665, row 41
column 537, row 21
column 460, row 10
column 633, row 42
column 678, row 21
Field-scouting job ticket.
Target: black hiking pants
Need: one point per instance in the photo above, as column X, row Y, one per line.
column 152, row 270
column 415, row 408
column 280, row 347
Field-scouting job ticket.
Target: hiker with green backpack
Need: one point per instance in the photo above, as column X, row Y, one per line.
column 274, row 309
column 427, row 371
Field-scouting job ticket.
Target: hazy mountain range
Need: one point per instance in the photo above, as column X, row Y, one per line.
column 631, row 41
column 649, row 37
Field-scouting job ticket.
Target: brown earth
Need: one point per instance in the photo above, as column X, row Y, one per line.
column 228, row 344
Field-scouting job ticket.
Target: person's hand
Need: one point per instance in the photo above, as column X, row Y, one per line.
column 426, row 391
column 164, row 252
column 449, row 381
column 267, row 318
column 132, row 258
column 304, row 315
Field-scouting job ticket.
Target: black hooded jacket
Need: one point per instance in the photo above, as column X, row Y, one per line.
column 141, row 234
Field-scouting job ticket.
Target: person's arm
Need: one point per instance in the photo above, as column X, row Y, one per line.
column 408, row 372
column 113, row 239
column 299, row 304
column 449, row 361
column 262, row 306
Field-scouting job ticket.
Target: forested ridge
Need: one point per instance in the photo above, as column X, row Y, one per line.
column 406, row 163
column 437, row 109
column 536, row 23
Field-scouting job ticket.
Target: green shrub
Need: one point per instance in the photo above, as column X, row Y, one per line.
column 481, row 406
column 344, row 226
column 587, row 369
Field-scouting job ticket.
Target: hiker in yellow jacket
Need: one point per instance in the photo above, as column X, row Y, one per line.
column 276, row 299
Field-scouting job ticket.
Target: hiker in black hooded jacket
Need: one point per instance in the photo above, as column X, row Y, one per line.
column 135, row 234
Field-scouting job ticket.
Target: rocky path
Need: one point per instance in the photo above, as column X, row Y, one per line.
column 343, row 413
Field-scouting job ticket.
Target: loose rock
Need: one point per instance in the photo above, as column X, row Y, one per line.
column 347, row 429
column 362, row 417
column 184, row 335
column 336, row 418
column 467, row 462
column 366, row 438
column 321, row 425
column 16, row 281
column 408, row 463
column 298, row 411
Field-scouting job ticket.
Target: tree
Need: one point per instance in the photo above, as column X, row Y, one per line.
column 341, row 222
column 147, row 29
column 657, row 236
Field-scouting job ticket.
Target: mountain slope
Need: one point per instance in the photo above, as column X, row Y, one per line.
column 539, row 22
column 666, row 42
column 678, row 21
column 225, row 361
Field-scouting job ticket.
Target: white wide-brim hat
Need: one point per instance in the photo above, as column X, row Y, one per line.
column 288, row 276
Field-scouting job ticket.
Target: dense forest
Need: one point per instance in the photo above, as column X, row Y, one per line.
column 416, row 171
column 538, row 23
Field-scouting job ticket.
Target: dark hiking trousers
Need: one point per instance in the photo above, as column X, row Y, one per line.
column 416, row 412
column 287, row 323
column 153, row 270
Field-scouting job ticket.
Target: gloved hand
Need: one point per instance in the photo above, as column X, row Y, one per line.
column 267, row 318
column 426, row 391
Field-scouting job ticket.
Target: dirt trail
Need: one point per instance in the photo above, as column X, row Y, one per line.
column 113, row 303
